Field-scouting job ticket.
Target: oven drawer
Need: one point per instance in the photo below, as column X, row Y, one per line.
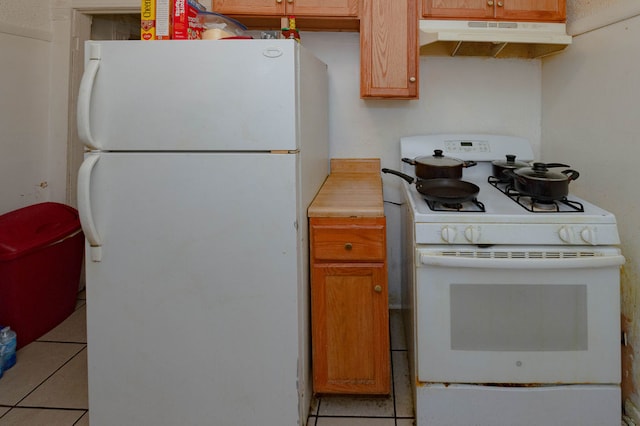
column 348, row 240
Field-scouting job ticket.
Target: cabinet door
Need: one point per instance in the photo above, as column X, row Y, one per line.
column 458, row 9
column 389, row 49
column 531, row 10
column 350, row 329
column 322, row 7
column 287, row 7
column 249, row 7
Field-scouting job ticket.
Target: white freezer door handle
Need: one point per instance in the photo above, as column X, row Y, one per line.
column 84, row 207
column 510, row 263
column 84, row 103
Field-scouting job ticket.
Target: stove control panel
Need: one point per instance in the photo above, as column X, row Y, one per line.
column 517, row 234
column 471, row 234
column 458, row 146
column 578, row 235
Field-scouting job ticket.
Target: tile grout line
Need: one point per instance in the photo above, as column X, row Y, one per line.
column 393, row 381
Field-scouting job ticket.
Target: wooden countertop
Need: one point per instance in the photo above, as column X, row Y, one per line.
column 353, row 189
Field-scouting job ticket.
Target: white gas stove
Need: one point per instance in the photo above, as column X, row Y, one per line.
column 512, row 311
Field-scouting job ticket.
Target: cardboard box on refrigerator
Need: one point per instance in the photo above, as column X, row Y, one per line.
column 186, row 25
column 148, row 20
column 164, row 21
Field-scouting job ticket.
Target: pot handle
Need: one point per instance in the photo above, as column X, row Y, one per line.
column 402, row 175
column 571, row 174
column 409, row 160
column 549, row 165
column 469, row 163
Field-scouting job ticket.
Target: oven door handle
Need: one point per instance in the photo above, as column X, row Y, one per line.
column 435, row 259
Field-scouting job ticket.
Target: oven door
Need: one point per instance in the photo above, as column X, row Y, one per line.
column 544, row 315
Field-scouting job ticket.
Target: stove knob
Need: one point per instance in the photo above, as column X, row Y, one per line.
column 566, row 234
column 472, row 234
column 448, row 234
column 588, row 235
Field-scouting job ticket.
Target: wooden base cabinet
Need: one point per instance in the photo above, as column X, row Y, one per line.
column 349, row 306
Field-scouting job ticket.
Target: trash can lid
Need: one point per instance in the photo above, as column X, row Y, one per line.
column 34, row 227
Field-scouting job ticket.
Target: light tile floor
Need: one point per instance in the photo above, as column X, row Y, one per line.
column 48, row 384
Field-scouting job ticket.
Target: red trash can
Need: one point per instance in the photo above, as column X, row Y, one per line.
column 41, row 253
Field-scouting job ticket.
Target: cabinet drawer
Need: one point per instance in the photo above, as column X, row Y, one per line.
column 348, row 241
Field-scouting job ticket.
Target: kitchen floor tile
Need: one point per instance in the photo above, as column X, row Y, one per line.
column 356, row 406
column 36, row 362
column 402, row 384
column 396, row 330
column 4, row 410
column 73, row 329
column 67, row 388
column 354, row 421
column 84, row 420
column 405, row 422
column 39, row 416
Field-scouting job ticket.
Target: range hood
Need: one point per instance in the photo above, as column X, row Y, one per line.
column 498, row 39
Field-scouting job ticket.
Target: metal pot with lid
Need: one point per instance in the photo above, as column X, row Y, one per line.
column 543, row 184
column 499, row 166
column 438, row 166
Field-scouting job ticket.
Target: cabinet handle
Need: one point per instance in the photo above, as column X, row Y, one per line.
column 412, row 79
column 500, row 4
column 378, row 289
column 289, row 1
column 278, row 1
column 348, row 246
column 490, row 3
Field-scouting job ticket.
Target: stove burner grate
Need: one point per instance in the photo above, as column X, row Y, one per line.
column 534, row 205
column 470, row 206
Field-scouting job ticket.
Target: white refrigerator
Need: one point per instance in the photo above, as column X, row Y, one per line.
column 202, row 158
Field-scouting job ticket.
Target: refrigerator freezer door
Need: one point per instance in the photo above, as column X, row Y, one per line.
column 192, row 310
column 220, row 95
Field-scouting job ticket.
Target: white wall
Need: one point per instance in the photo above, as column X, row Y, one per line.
column 25, row 155
column 590, row 118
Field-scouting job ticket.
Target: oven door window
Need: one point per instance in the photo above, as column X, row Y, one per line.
column 518, row 317
column 517, row 325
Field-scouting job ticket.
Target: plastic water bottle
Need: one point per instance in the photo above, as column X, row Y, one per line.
column 8, row 343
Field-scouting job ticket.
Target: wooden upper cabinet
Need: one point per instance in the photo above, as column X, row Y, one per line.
column 470, row 9
column 330, row 8
column 532, row 10
column 523, row 10
column 389, row 49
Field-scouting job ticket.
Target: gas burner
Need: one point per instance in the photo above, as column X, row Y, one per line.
column 562, row 205
column 468, row 206
column 543, row 205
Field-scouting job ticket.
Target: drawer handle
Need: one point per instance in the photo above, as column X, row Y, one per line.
column 348, row 246
column 378, row 289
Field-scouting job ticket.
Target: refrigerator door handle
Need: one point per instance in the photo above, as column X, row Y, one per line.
column 84, row 207
column 84, row 103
